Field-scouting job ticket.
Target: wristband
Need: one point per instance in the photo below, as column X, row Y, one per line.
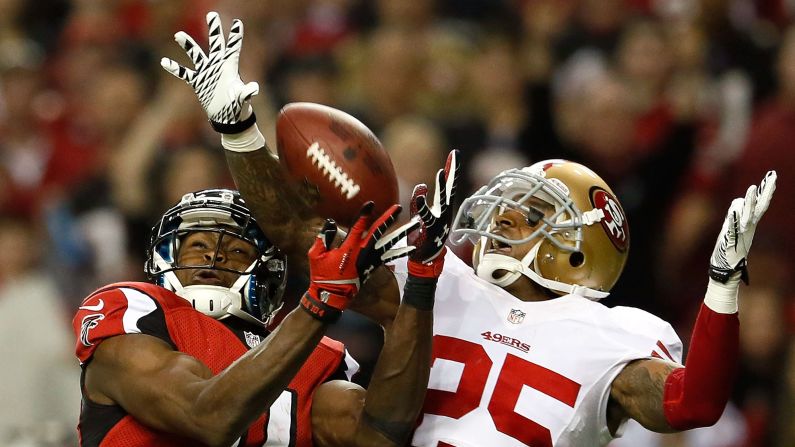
column 723, row 275
column 419, row 292
column 234, row 128
column 320, row 310
column 247, row 139
column 722, row 298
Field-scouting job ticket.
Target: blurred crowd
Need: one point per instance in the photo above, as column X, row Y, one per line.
column 678, row 104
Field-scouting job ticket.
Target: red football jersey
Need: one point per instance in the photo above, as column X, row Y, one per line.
column 133, row 308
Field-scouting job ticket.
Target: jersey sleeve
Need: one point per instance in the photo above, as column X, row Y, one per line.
column 347, row 366
column 648, row 335
column 347, row 369
column 116, row 311
column 634, row 334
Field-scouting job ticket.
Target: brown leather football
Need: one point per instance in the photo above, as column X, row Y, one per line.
column 337, row 154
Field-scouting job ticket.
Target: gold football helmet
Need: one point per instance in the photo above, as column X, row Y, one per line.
column 582, row 247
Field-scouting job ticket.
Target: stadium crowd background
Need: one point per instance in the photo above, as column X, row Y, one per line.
column 678, row 104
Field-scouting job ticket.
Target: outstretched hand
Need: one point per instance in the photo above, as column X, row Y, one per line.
column 731, row 250
column 436, row 220
column 337, row 274
column 215, row 78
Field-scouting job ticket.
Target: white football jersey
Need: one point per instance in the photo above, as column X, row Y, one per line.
column 512, row 373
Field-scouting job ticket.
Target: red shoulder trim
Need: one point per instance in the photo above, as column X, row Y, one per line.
column 116, row 310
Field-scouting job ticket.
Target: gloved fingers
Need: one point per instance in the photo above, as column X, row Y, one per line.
column 328, row 233
column 192, row 49
column 177, row 70
column 764, row 194
column 419, row 204
column 379, row 227
column 324, row 238
column 248, row 90
column 216, row 39
column 420, row 190
column 422, row 210
column 439, row 193
column 729, row 228
column 357, row 232
column 395, row 253
column 388, row 240
column 735, row 216
column 452, row 171
column 235, row 40
column 749, row 204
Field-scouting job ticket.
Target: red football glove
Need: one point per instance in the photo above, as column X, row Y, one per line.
column 336, row 275
column 427, row 261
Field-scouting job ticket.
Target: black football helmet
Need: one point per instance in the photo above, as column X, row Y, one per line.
column 257, row 294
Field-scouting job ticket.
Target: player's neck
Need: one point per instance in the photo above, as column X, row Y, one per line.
column 527, row 290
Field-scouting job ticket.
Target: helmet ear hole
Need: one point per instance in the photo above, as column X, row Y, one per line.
column 576, row 259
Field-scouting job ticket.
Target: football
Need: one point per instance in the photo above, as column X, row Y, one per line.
column 339, row 156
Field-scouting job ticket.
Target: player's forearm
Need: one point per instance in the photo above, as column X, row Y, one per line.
column 379, row 299
column 280, row 209
column 664, row 397
column 397, row 388
column 240, row 393
column 695, row 396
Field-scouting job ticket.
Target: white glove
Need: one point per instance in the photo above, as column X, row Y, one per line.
column 215, row 78
column 734, row 241
column 731, row 250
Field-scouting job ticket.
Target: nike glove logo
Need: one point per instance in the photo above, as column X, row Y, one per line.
column 96, row 308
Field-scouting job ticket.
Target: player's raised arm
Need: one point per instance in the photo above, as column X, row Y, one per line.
column 666, row 397
column 283, row 212
column 343, row 414
column 286, row 211
column 173, row 392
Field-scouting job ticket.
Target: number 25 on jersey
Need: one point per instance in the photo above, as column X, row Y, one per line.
column 515, row 374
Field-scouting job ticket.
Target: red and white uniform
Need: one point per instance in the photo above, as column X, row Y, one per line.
column 512, row 373
column 133, row 308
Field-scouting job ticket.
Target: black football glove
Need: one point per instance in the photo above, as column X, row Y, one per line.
column 428, row 259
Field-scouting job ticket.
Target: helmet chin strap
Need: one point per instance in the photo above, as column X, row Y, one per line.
column 237, row 290
column 491, row 262
column 214, row 301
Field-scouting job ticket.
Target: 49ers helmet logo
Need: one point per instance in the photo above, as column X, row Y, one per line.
column 615, row 221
